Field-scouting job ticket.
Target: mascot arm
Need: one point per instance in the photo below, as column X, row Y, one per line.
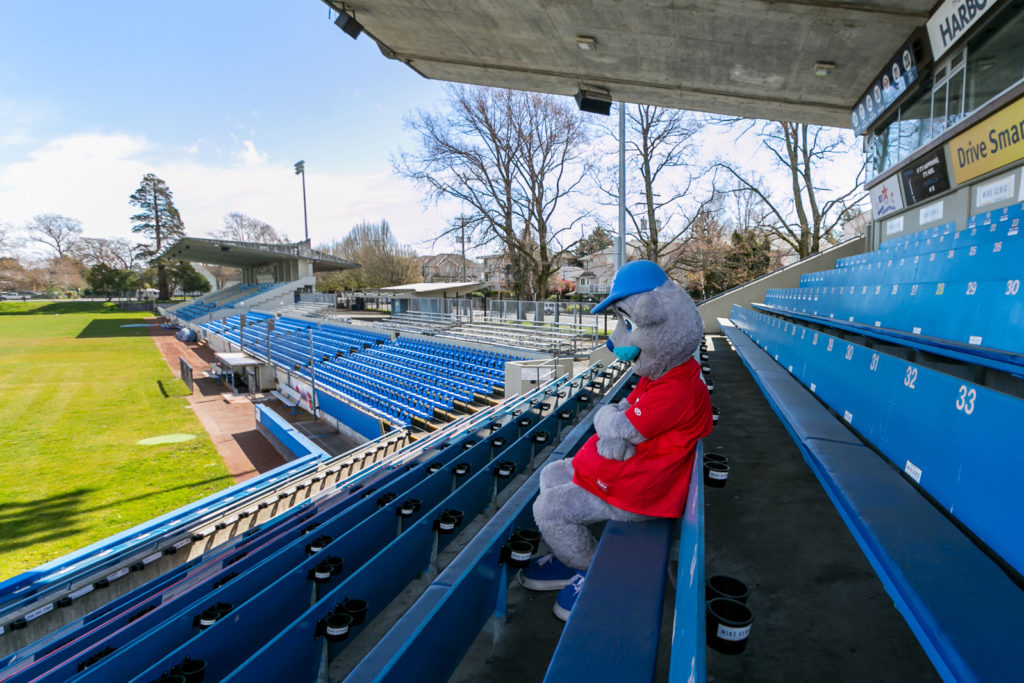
column 616, row 436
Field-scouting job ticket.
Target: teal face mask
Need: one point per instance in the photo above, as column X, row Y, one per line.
column 626, row 353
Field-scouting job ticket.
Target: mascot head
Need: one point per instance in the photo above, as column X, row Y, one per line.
column 658, row 324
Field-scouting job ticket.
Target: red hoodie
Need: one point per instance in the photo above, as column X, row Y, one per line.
column 672, row 413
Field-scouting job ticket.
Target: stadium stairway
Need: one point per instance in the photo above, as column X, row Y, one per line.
column 879, row 371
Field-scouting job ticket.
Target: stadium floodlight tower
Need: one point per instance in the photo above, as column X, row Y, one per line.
column 300, row 169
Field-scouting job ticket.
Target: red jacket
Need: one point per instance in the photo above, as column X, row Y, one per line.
column 672, row 413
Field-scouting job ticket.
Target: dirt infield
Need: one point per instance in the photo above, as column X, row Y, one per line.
column 229, row 420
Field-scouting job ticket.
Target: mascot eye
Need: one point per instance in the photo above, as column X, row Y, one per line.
column 628, row 323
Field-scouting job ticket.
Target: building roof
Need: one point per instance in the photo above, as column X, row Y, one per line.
column 753, row 58
column 241, row 254
column 433, row 289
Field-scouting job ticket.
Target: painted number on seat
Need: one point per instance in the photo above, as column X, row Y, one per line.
column 972, row 287
column 1012, row 287
column 965, row 399
column 874, row 361
column 910, row 377
column 849, row 351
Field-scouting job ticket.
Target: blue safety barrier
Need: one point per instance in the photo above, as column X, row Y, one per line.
column 297, row 443
column 108, row 553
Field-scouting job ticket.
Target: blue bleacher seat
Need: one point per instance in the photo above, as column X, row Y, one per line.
column 961, row 603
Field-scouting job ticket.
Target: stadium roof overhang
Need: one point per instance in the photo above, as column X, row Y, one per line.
column 246, row 254
column 432, row 289
column 752, row 58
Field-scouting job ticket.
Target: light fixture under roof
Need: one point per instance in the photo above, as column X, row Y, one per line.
column 594, row 99
column 586, row 42
column 823, row 69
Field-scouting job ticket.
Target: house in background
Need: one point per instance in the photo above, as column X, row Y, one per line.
column 448, row 268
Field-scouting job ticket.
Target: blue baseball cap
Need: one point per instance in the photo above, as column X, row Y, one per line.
column 633, row 278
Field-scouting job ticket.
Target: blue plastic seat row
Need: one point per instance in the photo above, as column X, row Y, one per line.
column 482, row 384
column 979, row 314
column 962, row 606
column 949, row 435
column 418, row 405
column 443, row 362
column 422, row 381
column 489, row 359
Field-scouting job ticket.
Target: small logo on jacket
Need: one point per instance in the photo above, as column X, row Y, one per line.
column 601, row 485
column 637, row 411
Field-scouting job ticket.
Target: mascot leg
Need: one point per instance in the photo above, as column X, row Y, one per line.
column 564, row 511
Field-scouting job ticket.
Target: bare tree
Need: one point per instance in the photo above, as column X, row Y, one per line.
column 57, row 232
column 243, row 228
column 702, row 259
column 661, row 180
column 222, row 275
column 119, row 254
column 811, row 210
column 8, row 241
column 511, row 158
column 384, row 262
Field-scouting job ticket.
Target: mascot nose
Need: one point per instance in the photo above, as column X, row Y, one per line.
column 627, row 353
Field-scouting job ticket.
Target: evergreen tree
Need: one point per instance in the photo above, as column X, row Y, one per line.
column 188, row 278
column 158, row 220
column 750, row 256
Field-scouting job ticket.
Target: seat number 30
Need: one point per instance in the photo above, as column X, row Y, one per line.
column 965, row 399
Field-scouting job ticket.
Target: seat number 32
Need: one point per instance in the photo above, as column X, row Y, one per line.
column 965, row 399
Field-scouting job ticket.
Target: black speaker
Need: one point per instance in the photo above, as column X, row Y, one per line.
column 594, row 102
column 349, row 25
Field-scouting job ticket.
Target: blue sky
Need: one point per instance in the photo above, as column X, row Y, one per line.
column 216, row 98
column 219, row 99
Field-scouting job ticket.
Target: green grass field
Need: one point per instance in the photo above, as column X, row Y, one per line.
column 79, row 390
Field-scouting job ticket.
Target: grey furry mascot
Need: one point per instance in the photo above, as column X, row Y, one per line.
column 637, row 465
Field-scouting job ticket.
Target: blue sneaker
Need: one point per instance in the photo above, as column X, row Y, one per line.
column 545, row 574
column 567, row 596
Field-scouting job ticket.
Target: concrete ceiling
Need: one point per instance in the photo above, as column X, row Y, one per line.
column 751, row 58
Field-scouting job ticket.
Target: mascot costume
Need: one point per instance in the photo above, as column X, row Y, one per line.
column 637, row 465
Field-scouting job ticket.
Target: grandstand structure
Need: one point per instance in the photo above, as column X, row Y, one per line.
column 272, row 275
column 888, row 548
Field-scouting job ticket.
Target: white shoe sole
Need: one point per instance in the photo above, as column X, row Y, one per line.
column 536, row 585
column 561, row 612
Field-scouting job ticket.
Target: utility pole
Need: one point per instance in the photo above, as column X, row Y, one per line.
column 462, row 239
column 300, row 169
column 620, row 243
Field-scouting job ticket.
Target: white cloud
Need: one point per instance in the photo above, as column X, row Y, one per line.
column 250, row 155
column 90, row 177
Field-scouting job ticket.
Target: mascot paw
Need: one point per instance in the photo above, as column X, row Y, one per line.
column 605, row 420
column 615, row 449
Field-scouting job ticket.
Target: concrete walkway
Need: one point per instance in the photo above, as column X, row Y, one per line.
column 820, row 612
column 229, row 420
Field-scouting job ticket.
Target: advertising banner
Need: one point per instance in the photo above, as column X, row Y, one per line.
column 886, row 197
column 951, row 21
column 926, row 178
column 894, row 81
column 995, row 142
